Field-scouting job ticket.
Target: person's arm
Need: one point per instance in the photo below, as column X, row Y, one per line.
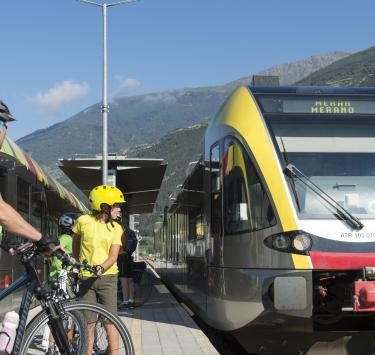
column 76, row 245
column 14, row 223
column 112, row 256
column 123, row 243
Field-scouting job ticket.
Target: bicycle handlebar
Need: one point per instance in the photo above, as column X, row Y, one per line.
column 29, row 249
column 69, row 260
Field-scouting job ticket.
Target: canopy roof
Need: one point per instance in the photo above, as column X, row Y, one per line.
column 138, row 179
column 11, row 149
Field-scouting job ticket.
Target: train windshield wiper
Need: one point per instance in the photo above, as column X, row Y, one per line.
column 340, row 212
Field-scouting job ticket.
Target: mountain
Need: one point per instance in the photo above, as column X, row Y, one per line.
column 292, row 72
column 355, row 70
column 142, row 119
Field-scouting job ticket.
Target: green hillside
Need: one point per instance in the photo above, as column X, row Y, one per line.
column 355, row 70
column 178, row 148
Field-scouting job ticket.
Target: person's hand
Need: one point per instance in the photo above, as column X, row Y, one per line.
column 48, row 245
column 99, row 270
column 10, row 244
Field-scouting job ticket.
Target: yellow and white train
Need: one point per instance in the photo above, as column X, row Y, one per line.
column 274, row 227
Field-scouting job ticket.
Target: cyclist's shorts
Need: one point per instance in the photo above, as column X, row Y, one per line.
column 99, row 290
column 124, row 265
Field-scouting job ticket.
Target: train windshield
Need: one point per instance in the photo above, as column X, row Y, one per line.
column 336, row 152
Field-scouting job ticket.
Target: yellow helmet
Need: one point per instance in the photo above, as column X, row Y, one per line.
column 105, row 194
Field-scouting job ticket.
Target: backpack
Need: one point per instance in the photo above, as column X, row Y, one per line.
column 131, row 241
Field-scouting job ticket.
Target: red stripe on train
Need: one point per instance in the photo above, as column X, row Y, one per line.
column 341, row 261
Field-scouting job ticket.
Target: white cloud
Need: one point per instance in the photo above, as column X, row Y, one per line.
column 125, row 86
column 129, row 84
column 53, row 100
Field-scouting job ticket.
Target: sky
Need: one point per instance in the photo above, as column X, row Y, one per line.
column 51, row 50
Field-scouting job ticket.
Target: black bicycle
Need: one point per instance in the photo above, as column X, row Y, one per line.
column 65, row 319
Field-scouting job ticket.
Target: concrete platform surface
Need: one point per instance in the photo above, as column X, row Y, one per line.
column 162, row 327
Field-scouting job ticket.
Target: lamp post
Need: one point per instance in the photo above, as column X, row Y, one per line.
column 105, row 106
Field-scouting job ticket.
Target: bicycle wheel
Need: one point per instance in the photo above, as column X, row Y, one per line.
column 39, row 340
column 105, row 320
column 142, row 287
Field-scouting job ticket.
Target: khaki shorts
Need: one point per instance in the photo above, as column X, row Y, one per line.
column 101, row 290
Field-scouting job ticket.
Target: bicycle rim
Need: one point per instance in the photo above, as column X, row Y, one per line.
column 39, row 340
column 105, row 320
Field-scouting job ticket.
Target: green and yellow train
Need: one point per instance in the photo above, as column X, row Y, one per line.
column 274, row 227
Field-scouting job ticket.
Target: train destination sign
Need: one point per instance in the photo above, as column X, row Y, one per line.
column 317, row 105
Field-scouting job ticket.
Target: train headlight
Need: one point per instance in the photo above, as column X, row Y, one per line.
column 297, row 242
column 281, row 242
column 302, row 242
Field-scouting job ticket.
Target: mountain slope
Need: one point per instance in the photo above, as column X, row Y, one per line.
column 142, row 119
column 355, row 70
column 292, row 72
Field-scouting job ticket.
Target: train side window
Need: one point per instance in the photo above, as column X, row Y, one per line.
column 215, row 190
column 246, row 204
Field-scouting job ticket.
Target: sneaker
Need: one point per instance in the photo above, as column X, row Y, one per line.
column 124, row 303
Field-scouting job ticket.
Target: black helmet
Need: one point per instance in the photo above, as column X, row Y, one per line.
column 5, row 115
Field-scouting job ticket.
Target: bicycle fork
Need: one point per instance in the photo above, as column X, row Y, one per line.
column 55, row 322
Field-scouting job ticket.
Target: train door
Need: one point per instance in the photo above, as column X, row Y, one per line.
column 247, row 211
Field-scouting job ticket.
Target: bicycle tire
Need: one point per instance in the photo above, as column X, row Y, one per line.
column 40, row 321
column 142, row 287
column 77, row 305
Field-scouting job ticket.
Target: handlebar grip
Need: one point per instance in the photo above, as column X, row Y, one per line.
column 73, row 262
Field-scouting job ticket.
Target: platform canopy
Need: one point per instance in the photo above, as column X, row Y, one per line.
column 139, row 179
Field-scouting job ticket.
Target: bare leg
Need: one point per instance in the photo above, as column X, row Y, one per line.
column 131, row 288
column 91, row 328
column 113, row 338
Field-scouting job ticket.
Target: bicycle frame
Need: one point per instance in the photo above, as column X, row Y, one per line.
column 28, row 277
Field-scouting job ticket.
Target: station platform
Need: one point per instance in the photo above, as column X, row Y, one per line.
column 162, row 326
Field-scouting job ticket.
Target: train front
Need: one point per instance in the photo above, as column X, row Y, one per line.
column 325, row 141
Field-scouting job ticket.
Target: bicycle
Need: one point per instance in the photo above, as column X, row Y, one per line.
column 67, row 287
column 65, row 318
column 64, row 288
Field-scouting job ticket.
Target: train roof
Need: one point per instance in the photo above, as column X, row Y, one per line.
column 13, row 150
column 312, row 90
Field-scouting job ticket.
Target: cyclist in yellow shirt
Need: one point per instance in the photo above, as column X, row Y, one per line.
column 97, row 239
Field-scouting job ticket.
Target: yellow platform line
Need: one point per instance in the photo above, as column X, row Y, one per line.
column 137, row 332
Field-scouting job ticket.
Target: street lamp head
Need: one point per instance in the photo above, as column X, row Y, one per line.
column 107, row 5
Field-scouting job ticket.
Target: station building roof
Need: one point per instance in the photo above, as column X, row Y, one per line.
column 138, row 179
